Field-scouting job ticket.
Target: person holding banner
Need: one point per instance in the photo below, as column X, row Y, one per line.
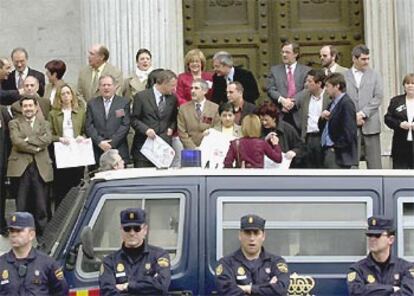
column 67, row 122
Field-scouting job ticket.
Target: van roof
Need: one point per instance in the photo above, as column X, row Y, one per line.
column 132, row 173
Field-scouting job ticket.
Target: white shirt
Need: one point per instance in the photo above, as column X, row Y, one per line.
column 17, row 75
column 332, row 69
column 357, row 75
column 67, row 123
column 410, row 109
column 157, row 95
column 143, row 75
column 52, row 95
column 201, row 104
column 230, row 76
column 107, row 105
column 315, row 110
column 292, row 68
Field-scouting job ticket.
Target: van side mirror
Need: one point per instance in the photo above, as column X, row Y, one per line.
column 86, row 237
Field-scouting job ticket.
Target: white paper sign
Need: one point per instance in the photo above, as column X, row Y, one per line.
column 214, row 148
column 270, row 164
column 158, row 152
column 75, row 154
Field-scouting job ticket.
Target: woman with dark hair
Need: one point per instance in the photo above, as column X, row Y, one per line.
column 400, row 118
column 249, row 151
column 289, row 139
column 227, row 124
column 67, row 123
column 137, row 81
column 54, row 69
column 195, row 65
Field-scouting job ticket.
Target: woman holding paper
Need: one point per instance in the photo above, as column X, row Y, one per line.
column 67, row 121
column 249, row 151
column 400, row 118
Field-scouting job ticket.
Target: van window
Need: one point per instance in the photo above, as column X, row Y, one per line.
column 405, row 234
column 165, row 217
column 295, row 226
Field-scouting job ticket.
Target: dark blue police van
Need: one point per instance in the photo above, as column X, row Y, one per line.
column 316, row 220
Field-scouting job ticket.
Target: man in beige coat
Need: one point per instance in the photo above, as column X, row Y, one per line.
column 88, row 81
column 196, row 116
column 29, row 162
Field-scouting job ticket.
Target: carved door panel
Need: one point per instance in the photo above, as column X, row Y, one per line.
column 252, row 30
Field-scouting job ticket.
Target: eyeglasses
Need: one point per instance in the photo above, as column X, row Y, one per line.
column 135, row 228
column 376, row 235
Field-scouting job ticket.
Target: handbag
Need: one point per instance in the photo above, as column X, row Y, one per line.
column 239, row 164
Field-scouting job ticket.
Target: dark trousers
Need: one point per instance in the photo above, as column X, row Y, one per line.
column 314, row 156
column 64, row 180
column 32, row 196
column 329, row 161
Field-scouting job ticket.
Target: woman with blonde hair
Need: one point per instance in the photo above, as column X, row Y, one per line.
column 195, row 64
column 67, row 123
column 249, row 151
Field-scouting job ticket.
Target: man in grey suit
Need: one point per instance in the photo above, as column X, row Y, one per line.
column 286, row 81
column 364, row 86
column 311, row 104
column 98, row 66
column 329, row 60
column 108, row 120
column 154, row 114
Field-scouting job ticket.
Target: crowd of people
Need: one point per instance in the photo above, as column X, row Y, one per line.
column 315, row 118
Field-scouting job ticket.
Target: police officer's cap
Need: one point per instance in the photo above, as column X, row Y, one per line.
column 20, row 220
column 252, row 222
column 379, row 224
column 132, row 217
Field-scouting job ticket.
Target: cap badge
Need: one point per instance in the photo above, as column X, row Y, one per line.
column 131, row 216
column 374, row 222
column 13, row 218
column 120, row 267
column 250, row 220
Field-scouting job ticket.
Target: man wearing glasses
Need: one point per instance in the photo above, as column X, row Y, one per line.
column 381, row 273
column 25, row 270
column 137, row 268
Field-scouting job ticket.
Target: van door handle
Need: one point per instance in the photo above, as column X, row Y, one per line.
column 180, row 293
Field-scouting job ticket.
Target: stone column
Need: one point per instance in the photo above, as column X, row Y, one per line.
column 405, row 29
column 381, row 38
column 124, row 26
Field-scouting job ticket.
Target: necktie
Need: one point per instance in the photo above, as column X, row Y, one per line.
column 198, row 110
column 161, row 104
column 328, row 72
column 94, row 82
column 291, row 83
column 228, row 80
column 107, row 105
column 20, row 82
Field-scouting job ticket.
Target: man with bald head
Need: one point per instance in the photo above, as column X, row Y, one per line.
column 16, row 78
column 88, row 82
column 329, row 60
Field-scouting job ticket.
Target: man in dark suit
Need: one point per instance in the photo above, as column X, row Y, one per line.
column 225, row 72
column 4, row 155
column 154, row 114
column 29, row 161
column 108, row 120
column 7, row 97
column 235, row 96
column 339, row 136
column 311, row 103
column 16, row 78
column 286, row 81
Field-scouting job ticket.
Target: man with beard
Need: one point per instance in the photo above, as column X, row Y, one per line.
column 329, row 60
column 381, row 272
column 251, row 269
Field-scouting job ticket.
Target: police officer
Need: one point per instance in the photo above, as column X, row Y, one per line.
column 25, row 270
column 137, row 268
column 251, row 270
column 381, row 273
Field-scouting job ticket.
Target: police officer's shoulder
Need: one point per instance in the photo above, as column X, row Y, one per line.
column 279, row 262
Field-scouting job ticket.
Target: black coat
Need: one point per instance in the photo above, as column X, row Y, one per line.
column 245, row 77
column 402, row 150
column 10, row 83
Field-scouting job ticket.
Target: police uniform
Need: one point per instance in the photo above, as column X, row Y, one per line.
column 367, row 277
column 236, row 269
column 148, row 274
column 37, row 274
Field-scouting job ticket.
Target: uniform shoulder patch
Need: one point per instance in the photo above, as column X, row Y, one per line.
column 411, row 270
column 219, row 269
column 59, row 274
column 282, row 267
column 351, row 276
column 370, row 279
column 163, row 262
